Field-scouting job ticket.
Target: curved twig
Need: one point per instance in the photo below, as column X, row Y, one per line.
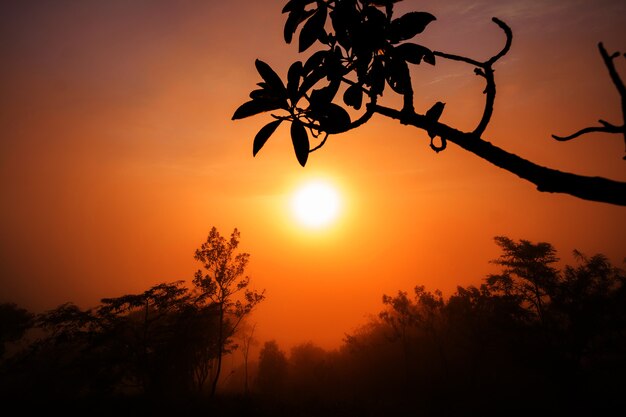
column 621, row 89
column 369, row 112
column 509, row 40
column 607, row 128
column 485, row 70
column 321, row 143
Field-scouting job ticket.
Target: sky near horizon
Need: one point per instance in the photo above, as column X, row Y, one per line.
column 118, row 155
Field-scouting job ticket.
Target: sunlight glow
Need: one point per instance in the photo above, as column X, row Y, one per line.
column 315, row 204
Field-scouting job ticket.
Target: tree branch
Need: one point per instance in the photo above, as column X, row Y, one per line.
column 621, row 89
column 546, row 179
column 321, row 144
column 485, row 70
column 365, row 117
column 606, row 128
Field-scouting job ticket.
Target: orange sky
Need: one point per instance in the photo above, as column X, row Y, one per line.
column 118, row 154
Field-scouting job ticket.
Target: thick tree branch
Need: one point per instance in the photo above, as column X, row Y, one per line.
column 546, row 179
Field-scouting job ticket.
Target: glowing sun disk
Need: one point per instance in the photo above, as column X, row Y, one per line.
column 315, row 204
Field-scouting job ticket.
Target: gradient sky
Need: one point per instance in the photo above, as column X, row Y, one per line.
column 118, row 154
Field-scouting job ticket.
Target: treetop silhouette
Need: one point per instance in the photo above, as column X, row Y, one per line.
column 365, row 48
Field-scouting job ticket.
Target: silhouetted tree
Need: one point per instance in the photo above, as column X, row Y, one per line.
column 365, row 47
column 247, row 340
column 14, row 322
column 528, row 273
column 160, row 333
column 220, row 282
column 309, row 371
column 272, row 373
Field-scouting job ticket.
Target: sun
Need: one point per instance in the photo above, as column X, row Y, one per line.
column 316, row 204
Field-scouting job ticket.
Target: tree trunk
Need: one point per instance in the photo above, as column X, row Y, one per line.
column 220, row 349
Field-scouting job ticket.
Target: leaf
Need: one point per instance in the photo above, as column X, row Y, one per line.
column 261, row 94
column 296, row 17
column 324, row 95
column 332, row 118
column 293, row 81
column 294, row 4
column 314, row 62
column 300, row 140
column 433, row 114
column 375, row 17
column 344, row 18
column 429, row 57
column 271, row 78
column 263, row 135
column 409, row 25
column 414, row 53
column 252, row 107
column 334, row 66
column 376, row 77
column 353, row 96
column 312, row 29
column 310, row 80
column 397, row 74
column 291, row 4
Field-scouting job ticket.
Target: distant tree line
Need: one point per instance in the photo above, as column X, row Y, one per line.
column 163, row 344
column 530, row 340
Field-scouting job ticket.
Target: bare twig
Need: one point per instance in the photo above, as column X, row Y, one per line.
column 485, row 70
column 621, row 89
column 321, row 143
column 606, row 128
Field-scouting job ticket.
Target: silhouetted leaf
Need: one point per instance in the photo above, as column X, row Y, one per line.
column 271, row 78
column 263, row 135
column 252, row 107
column 311, row 79
column 376, row 77
column 314, row 62
column 313, row 29
column 332, row 118
column 344, row 18
column 333, row 65
column 294, row 4
column 414, row 53
column 409, row 25
column 375, row 18
column 261, row 94
column 291, row 4
column 325, row 95
column 293, row 81
column 353, row 96
column 397, row 75
column 300, row 140
column 296, row 17
column 433, row 114
column 429, row 57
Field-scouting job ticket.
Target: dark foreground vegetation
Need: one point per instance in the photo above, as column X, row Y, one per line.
column 533, row 339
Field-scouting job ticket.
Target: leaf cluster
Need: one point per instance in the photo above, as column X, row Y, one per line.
column 362, row 47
